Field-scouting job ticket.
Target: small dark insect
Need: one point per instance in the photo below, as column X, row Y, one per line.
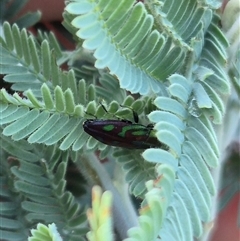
column 122, row 133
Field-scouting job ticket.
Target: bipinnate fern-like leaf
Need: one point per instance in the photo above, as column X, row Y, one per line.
column 13, row 9
column 43, row 122
column 144, row 46
column 138, row 171
column 136, row 44
column 52, row 41
column 179, row 19
column 11, row 225
column 50, row 112
column 188, row 132
column 40, row 193
column 183, row 124
column 56, row 118
column 193, row 148
column 109, row 89
column 27, row 65
column 46, row 233
column 182, row 121
column 211, row 74
column 154, row 206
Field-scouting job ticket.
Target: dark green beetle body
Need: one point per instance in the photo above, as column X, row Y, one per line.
column 122, row 133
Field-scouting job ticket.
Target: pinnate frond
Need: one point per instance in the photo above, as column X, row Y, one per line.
column 12, row 9
column 40, row 187
column 154, row 206
column 138, row 171
column 192, row 150
column 27, row 65
column 43, row 122
column 134, row 45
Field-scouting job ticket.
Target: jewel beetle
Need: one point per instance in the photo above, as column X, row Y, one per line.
column 122, row 133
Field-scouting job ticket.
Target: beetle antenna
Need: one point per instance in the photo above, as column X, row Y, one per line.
column 135, row 115
column 90, row 114
column 103, row 106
